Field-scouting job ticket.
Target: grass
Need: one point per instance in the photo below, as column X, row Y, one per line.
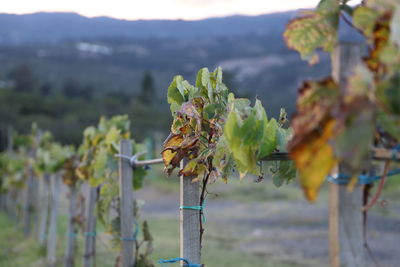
column 220, row 247
column 224, row 243
column 246, row 190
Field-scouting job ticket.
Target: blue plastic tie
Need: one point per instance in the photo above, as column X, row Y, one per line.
column 200, row 208
column 72, row 234
column 93, row 234
column 394, row 152
column 134, row 236
column 187, row 263
column 343, row 179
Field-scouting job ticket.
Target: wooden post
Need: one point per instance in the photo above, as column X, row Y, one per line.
column 189, row 219
column 12, row 199
column 44, row 207
column 72, row 229
column 52, row 236
column 28, row 206
column 126, row 202
column 36, row 207
column 345, row 216
column 90, row 229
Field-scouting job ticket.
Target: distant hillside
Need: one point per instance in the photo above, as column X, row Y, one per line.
column 111, row 55
column 54, row 27
column 71, row 69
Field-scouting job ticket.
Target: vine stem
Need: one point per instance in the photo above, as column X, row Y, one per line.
column 380, row 188
column 202, row 199
column 366, row 194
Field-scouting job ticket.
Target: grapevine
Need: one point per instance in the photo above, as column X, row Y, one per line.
column 334, row 126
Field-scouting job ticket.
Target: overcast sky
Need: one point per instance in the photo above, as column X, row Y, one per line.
column 155, row 9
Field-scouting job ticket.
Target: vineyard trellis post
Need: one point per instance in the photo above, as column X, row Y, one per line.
column 52, row 236
column 44, row 185
column 90, row 228
column 126, row 205
column 72, row 229
column 345, row 216
column 190, row 248
column 28, row 204
column 36, row 206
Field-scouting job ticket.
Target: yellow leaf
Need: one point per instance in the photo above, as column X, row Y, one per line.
column 96, row 140
column 314, row 160
column 126, row 135
column 82, row 173
column 168, row 154
column 189, row 169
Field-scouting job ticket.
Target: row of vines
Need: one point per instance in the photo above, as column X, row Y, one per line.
column 341, row 120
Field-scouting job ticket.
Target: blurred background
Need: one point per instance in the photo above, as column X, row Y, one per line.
column 63, row 64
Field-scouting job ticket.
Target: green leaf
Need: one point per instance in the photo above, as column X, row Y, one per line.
column 313, row 30
column 390, row 123
column 211, row 110
column 112, row 136
column 364, row 18
column 353, row 145
column 175, row 95
column 99, row 165
column 203, row 78
column 244, row 132
column 281, row 172
column 139, row 174
column 269, row 142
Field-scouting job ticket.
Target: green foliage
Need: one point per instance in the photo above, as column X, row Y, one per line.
column 98, row 165
column 217, row 132
column 13, row 170
column 52, row 157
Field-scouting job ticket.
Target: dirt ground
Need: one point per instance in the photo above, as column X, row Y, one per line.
column 290, row 231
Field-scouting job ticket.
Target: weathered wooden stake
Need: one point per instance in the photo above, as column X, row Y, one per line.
column 90, row 233
column 28, row 206
column 52, row 236
column 189, row 219
column 126, row 202
column 345, row 216
column 72, row 229
column 44, row 190
column 36, row 207
column 12, row 206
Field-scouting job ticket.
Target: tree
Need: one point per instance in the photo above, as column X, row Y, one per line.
column 45, row 89
column 73, row 89
column 23, row 78
column 148, row 91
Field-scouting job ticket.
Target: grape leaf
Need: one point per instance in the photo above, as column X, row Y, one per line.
column 269, row 142
column 313, row 130
column 365, row 18
column 315, row 159
column 314, row 29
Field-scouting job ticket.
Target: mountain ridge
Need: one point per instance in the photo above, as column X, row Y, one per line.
column 45, row 27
